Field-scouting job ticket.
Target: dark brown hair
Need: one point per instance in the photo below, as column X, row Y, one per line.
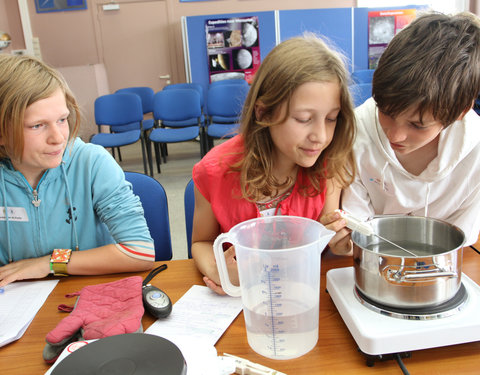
column 433, row 66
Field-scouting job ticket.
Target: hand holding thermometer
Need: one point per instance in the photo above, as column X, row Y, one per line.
column 366, row 229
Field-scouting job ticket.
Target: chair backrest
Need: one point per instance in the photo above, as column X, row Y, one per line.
column 145, row 93
column 363, row 76
column 194, row 86
column 360, row 93
column 155, row 207
column 118, row 109
column 176, row 105
column 226, row 100
column 189, row 204
column 229, row 82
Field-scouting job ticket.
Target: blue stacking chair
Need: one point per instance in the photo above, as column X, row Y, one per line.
column 229, row 82
column 361, row 92
column 155, row 207
column 225, row 101
column 121, row 111
column 193, row 121
column 194, row 86
column 222, row 119
column 189, row 204
column 146, row 96
column 363, row 76
column 174, row 105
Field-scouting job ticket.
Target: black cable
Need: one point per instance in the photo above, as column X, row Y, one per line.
column 154, row 273
column 475, row 249
column 398, row 358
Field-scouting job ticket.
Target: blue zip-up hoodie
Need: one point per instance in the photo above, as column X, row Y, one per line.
column 84, row 202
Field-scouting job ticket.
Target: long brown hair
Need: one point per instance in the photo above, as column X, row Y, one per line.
column 290, row 64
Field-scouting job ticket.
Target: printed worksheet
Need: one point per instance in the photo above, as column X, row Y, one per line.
column 19, row 303
column 200, row 315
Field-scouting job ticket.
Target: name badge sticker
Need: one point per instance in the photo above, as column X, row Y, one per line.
column 268, row 212
column 14, row 214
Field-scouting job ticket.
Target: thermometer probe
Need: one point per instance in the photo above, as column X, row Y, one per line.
column 366, row 229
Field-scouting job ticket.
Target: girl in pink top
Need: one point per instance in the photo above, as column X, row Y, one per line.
column 293, row 154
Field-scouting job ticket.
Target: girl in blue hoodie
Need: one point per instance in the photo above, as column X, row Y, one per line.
column 65, row 207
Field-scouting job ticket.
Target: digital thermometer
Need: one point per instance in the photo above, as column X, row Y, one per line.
column 156, row 301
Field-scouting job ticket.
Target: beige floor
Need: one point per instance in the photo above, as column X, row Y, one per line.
column 174, row 176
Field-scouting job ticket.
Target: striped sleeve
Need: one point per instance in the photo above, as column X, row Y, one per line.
column 138, row 249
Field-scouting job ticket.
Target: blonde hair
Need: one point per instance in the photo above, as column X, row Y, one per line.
column 290, row 64
column 23, row 81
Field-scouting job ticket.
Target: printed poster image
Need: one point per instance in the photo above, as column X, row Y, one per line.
column 233, row 48
column 382, row 27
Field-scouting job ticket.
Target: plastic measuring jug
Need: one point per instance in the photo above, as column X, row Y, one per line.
column 278, row 259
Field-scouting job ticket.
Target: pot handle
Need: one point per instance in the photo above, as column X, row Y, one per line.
column 227, row 285
column 420, row 276
column 399, row 276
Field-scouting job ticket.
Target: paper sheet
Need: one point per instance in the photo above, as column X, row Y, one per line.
column 197, row 321
column 19, row 303
column 200, row 315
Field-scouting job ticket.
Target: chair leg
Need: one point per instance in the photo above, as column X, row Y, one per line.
column 113, row 152
column 144, row 158
column 203, row 142
column 209, row 142
column 163, row 148
column 119, row 154
column 157, row 156
column 202, row 148
column 148, row 146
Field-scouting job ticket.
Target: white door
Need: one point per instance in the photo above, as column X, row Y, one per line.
column 135, row 44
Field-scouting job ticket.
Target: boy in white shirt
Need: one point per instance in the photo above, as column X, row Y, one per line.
column 417, row 143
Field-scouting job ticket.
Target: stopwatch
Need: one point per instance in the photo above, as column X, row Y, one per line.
column 155, row 300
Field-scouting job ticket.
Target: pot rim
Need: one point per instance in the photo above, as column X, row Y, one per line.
column 394, row 216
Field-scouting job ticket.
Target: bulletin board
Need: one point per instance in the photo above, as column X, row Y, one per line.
column 345, row 28
column 45, row 6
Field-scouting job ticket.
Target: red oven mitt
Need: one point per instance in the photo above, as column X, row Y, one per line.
column 101, row 310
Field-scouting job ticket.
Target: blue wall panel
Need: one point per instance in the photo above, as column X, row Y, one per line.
column 333, row 23
column 339, row 25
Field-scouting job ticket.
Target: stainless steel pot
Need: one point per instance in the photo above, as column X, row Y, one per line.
column 392, row 277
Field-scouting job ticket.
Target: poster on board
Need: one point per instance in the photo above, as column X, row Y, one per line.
column 382, row 27
column 233, row 48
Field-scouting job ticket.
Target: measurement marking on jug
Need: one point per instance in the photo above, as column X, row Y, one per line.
column 274, row 293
